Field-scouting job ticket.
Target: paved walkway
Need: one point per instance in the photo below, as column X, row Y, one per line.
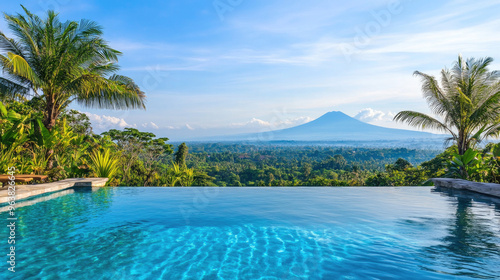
column 24, row 191
column 484, row 188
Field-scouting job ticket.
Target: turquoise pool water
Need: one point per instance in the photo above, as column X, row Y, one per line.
column 257, row 233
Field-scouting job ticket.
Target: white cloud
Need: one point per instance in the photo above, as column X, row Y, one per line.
column 103, row 122
column 384, row 119
column 150, row 125
column 370, row 115
column 254, row 122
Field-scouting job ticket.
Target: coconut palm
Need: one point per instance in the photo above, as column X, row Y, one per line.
column 466, row 103
column 63, row 62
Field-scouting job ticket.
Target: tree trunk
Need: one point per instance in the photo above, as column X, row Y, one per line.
column 49, row 122
column 148, row 176
column 461, row 143
column 462, row 148
column 51, row 113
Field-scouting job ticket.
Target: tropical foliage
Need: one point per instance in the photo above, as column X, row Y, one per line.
column 479, row 166
column 129, row 157
column 466, row 103
column 103, row 164
column 271, row 165
column 15, row 130
column 63, row 62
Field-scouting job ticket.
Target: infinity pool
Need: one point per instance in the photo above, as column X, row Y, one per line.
column 256, row 233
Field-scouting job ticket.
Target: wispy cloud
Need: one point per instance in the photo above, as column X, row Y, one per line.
column 454, row 12
column 476, row 38
column 277, row 124
column 164, row 68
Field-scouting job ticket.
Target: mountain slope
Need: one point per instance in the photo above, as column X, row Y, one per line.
column 335, row 126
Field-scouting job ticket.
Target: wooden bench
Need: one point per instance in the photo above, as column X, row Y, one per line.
column 5, row 179
column 35, row 177
column 22, row 178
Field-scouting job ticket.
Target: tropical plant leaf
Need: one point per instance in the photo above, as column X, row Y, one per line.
column 19, row 66
column 104, row 164
column 3, row 110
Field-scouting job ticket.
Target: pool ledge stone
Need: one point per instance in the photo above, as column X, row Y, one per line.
column 25, row 191
column 483, row 188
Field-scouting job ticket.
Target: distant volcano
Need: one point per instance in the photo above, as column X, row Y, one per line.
column 334, row 126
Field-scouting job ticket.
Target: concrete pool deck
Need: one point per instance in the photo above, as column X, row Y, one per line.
column 459, row 184
column 25, row 191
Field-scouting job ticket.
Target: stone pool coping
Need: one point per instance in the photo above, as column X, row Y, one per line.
column 459, row 184
column 25, row 191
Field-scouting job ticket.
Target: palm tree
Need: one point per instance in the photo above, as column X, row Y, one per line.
column 63, row 62
column 466, row 103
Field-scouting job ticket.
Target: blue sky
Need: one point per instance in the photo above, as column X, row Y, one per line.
column 231, row 66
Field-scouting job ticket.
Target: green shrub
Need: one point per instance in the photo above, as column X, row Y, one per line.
column 103, row 164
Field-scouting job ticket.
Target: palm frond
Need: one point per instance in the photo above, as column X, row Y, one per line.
column 433, row 94
column 19, row 66
column 12, row 89
column 117, row 92
column 421, row 120
column 492, row 131
column 9, row 45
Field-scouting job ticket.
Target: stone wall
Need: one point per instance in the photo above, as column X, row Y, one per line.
column 483, row 188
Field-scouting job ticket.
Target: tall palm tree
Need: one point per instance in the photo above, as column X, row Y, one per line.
column 466, row 103
column 63, row 62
